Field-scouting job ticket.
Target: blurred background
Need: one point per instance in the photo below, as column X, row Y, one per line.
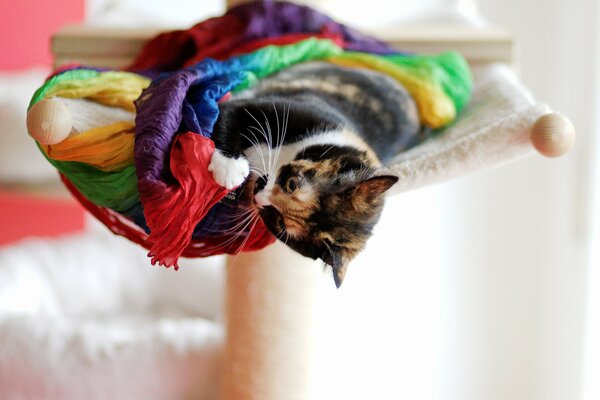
column 484, row 287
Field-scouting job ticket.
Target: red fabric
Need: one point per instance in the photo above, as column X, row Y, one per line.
column 172, row 50
column 177, row 209
column 217, row 38
column 281, row 41
column 173, row 212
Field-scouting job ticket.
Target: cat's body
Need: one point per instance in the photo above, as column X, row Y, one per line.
column 314, row 137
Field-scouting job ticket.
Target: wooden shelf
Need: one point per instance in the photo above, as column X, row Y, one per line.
column 117, row 47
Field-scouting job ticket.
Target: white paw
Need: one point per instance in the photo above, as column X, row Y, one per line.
column 228, row 172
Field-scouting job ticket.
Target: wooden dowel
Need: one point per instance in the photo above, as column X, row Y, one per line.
column 553, row 135
column 49, row 121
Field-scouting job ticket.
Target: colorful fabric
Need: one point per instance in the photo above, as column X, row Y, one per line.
column 150, row 182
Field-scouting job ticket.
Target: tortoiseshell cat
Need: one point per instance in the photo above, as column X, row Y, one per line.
column 314, row 137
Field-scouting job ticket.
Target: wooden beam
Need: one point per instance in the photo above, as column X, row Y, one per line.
column 116, row 48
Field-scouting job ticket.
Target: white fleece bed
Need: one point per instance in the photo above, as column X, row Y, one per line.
column 86, row 317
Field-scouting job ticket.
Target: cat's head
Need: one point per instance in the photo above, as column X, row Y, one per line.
column 324, row 204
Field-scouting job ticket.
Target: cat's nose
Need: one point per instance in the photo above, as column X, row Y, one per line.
column 260, row 183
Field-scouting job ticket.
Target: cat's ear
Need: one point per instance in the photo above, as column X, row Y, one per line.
column 339, row 273
column 374, row 187
column 338, row 261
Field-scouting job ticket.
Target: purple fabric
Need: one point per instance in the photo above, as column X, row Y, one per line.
column 271, row 18
column 166, row 103
column 184, row 101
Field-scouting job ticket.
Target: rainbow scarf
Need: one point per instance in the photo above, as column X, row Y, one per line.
column 149, row 181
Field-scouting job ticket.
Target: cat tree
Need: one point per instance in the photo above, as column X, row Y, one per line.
column 270, row 294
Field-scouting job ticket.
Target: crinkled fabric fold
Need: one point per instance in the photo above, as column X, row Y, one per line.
column 221, row 37
column 150, row 182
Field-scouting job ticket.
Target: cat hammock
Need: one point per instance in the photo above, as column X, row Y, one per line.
column 502, row 122
column 161, row 183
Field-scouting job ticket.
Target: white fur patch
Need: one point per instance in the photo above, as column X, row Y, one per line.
column 262, row 198
column 259, row 156
column 228, row 172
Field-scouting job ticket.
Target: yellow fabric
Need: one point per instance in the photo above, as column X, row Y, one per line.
column 435, row 107
column 108, row 148
column 118, row 89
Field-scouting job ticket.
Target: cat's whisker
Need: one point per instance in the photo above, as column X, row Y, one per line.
column 259, row 171
column 259, row 150
column 273, row 166
column 238, row 215
column 270, row 139
column 243, row 232
column 269, row 150
column 279, row 148
column 263, row 132
column 239, row 222
column 245, row 240
column 233, row 238
column 326, row 151
column 281, row 236
column 235, row 258
column 261, row 155
column 257, row 147
column 279, row 143
column 279, row 139
column 234, row 229
column 287, row 118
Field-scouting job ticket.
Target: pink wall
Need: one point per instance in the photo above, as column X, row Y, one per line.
column 25, row 216
column 26, row 26
column 25, row 30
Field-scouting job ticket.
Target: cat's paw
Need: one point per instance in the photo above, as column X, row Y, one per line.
column 228, row 172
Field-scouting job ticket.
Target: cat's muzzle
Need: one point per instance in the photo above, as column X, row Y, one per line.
column 260, row 184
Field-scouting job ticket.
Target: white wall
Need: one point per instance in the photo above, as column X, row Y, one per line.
column 476, row 289
column 533, row 219
column 153, row 13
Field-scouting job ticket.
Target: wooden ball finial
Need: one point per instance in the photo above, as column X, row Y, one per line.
column 49, row 121
column 553, row 135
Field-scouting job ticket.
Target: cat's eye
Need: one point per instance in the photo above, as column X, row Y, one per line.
column 292, row 184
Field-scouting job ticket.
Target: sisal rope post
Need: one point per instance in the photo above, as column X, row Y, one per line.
column 270, row 304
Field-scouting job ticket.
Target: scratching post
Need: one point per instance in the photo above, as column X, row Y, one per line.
column 269, row 316
column 269, row 312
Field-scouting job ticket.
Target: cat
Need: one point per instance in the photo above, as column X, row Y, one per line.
column 310, row 143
